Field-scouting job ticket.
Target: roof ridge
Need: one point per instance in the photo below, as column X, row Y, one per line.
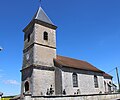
column 70, row 58
column 75, row 59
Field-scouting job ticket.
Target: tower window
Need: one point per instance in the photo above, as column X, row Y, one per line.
column 24, row 36
column 26, row 86
column 28, row 37
column 75, row 80
column 45, row 36
column 95, row 81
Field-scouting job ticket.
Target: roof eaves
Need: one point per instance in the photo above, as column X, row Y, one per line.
column 83, row 69
column 64, row 65
column 39, row 22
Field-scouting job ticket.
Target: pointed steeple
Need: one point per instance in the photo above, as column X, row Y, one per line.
column 41, row 15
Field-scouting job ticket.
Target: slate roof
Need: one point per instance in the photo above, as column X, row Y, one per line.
column 74, row 63
column 42, row 16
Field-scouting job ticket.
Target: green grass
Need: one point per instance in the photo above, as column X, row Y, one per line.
column 5, row 99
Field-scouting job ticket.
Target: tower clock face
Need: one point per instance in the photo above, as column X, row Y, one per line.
column 27, row 56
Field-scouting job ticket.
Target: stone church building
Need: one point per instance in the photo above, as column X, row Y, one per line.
column 45, row 73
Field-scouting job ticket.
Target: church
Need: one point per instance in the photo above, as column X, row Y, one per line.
column 44, row 73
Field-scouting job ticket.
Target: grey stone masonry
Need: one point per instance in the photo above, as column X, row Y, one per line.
column 80, row 97
column 38, row 54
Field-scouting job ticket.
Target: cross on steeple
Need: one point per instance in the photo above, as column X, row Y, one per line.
column 40, row 2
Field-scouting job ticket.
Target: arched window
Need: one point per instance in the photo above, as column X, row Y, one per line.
column 45, row 36
column 95, row 81
column 26, row 86
column 75, row 80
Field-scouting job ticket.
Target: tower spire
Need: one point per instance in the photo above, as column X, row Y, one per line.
column 42, row 16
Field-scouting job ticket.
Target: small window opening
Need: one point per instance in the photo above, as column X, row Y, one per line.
column 28, row 37
column 26, row 86
column 24, row 36
column 75, row 80
column 96, row 81
column 45, row 36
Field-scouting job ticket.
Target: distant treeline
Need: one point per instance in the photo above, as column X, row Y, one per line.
column 6, row 97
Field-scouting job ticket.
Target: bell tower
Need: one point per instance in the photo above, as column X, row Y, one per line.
column 39, row 41
column 38, row 54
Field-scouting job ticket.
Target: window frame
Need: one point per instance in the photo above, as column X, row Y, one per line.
column 96, row 81
column 45, row 36
column 27, row 86
column 75, row 79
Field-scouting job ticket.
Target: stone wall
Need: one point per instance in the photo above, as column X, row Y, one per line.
column 44, row 55
column 28, row 58
column 42, row 80
column 39, row 30
column 26, row 76
column 58, row 81
column 80, row 97
column 44, row 50
column 39, row 51
column 85, row 82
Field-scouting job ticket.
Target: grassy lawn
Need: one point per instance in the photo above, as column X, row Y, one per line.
column 4, row 98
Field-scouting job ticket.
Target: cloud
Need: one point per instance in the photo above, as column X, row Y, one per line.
column 11, row 82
